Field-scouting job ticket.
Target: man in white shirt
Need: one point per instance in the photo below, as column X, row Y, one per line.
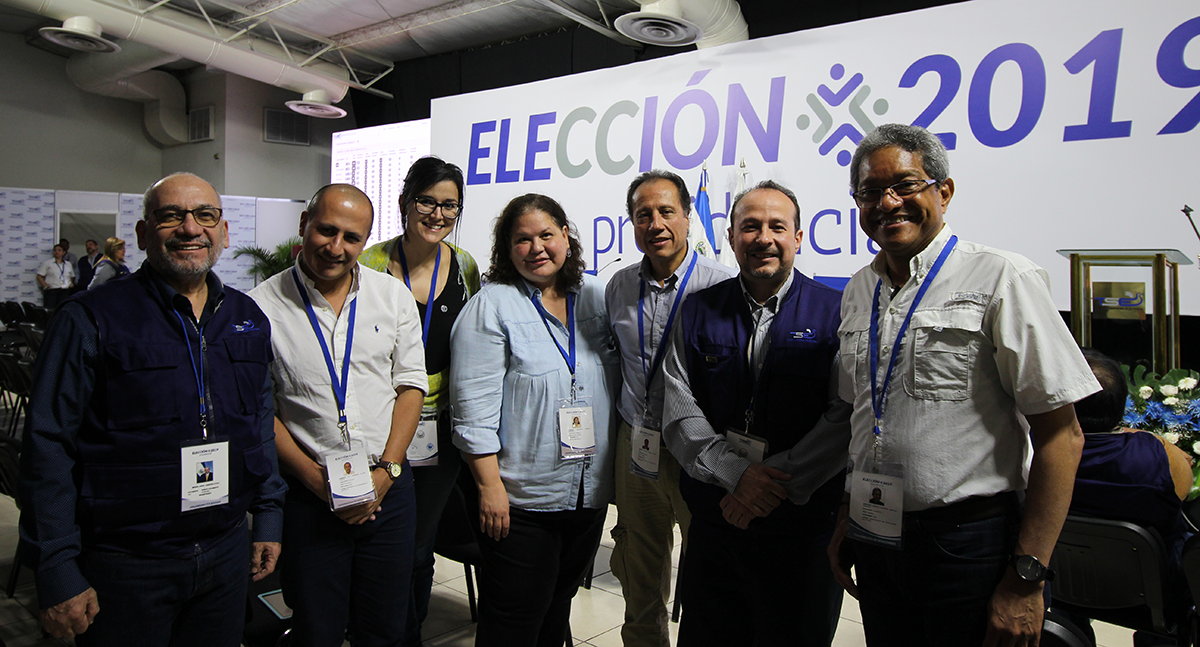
column 55, row 277
column 350, row 379
column 955, row 358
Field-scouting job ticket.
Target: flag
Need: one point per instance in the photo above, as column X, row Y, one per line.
column 702, row 210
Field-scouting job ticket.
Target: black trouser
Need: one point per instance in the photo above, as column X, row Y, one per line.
column 529, row 577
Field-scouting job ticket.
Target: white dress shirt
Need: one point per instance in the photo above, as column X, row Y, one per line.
column 57, row 275
column 986, row 347
column 387, row 353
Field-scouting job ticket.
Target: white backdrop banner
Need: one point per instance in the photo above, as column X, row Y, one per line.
column 1071, row 124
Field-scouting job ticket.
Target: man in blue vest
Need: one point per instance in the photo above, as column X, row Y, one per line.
column 751, row 413
column 140, row 385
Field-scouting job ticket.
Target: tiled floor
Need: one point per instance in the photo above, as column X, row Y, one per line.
column 596, row 614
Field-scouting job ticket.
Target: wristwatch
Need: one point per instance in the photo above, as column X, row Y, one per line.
column 392, row 469
column 1030, row 569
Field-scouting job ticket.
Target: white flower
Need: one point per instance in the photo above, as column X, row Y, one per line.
column 1196, row 447
column 1187, row 384
column 1171, row 437
column 1168, row 390
column 1145, row 392
column 1170, row 402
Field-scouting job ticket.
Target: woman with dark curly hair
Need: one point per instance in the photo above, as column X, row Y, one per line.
column 541, row 356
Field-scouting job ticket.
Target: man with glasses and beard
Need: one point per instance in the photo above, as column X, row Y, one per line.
column 137, row 382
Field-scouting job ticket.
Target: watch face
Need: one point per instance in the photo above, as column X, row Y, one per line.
column 1029, row 568
column 394, row 470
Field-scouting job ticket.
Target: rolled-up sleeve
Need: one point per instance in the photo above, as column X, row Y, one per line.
column 477, row 370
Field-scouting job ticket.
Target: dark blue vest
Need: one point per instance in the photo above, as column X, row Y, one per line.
column 793, row 389
column 146, row 403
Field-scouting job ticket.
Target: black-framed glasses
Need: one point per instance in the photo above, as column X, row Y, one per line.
column 871, row 197
column 174, row 216
column 426, row 205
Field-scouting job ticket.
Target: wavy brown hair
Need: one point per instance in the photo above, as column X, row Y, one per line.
column 570, row 275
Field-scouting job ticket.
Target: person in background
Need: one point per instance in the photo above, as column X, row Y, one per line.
column 642, row 301
column 955, row 358
column 752, row 416
column 119, row 419
column 441, row 277
column 349, row 379
column 111, row 265
column 540, row 354
column 67, row 255
column 86, row 266
column 55, row 277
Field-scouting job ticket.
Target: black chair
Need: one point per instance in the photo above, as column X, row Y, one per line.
column 9, row 470
column 1116, row 572
column 18, row 378
column 1058, row 631
column 455, row 540
column 13, row 312
column 11, row 336
column 32, row 335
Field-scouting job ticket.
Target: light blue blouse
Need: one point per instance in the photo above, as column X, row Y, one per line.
column 506, row 380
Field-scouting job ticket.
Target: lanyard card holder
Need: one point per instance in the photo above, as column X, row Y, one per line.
column 204, row 473
column 423, row 450
column 747, row 446
column 349, row 475
column 877, row 503
column 645, row 442
column 576, row 429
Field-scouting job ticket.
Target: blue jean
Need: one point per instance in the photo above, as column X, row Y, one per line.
column 335, row 575
column 432, row 488
column 200, row 600
column 746, row 588
column 935, row 591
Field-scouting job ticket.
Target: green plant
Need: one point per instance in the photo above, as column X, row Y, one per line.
column 267, row 264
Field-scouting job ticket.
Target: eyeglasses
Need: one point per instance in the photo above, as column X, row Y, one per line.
column 426, row 205
column 174, row 216
column 871, row 197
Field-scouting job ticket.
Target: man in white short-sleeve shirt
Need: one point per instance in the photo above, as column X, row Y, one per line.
column 325, row 311
column 984, row 366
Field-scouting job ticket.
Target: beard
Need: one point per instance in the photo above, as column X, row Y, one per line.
column 170, row 266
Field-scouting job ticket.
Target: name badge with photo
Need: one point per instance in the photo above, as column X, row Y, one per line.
column 349, row 474
column 877, row 504
column 423, row 450
column 576, row 430
column 747, row 446
column 645, row 444
column 204, row 472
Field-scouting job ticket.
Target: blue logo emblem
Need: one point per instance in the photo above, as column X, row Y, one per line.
column 245, row 326
column 807, row 334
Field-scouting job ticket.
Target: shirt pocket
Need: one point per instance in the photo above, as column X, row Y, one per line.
column 855, row 346
column 248, row 357
column 147, row 393
column 595, row 333
column 713, row 357
column 943, row 349
column 532, row 351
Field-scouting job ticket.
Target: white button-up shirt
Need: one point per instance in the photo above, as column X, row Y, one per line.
column 986, row 347
column 387, row 354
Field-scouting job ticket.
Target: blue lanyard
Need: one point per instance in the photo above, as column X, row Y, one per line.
column 656, row 362
column 877, row 396
column 432, row 286
column 62, row 273
column 568, row 357
column 198, row 372
column 339, row 386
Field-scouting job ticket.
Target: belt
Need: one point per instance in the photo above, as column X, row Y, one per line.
column 971, row 509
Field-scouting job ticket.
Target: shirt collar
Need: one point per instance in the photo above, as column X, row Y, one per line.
column 919, row 265
column 311, row 285
column 531, row 289
column 646, row 272
column 772, row 303
column 216, row 292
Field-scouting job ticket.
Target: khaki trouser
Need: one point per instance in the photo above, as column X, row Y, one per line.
column 646, row 515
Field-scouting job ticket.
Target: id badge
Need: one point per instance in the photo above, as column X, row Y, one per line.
column 576, row 430
column 877, row 504
column 204, row 473
column 423, row 450
column 349, row 475
column 646, row 443
column 751, row 448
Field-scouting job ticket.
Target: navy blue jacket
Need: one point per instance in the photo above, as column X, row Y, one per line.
column 792, row 391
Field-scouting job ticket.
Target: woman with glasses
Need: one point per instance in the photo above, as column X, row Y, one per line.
column 541, row 358
column 441, row 277
column 112, row 264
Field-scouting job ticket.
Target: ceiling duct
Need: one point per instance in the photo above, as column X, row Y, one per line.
column 674, row 23
column 79, row 33
column 316, row 104
column 130, row 74
column 166, row 29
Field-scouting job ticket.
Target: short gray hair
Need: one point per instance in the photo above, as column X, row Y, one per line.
column 913, row 139
column 146, row 197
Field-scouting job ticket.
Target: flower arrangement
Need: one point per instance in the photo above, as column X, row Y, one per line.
column 1168, row 406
